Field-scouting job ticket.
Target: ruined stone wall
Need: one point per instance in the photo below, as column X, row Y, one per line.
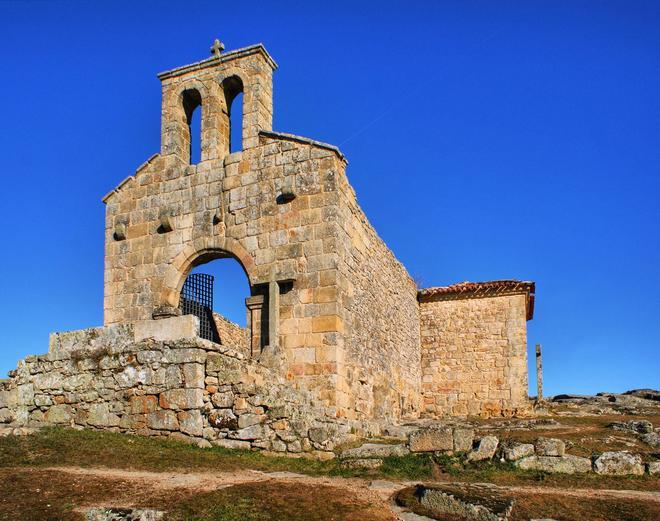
column 381, row 320
column 474, row 355
column 231, row 334
column 187, row 388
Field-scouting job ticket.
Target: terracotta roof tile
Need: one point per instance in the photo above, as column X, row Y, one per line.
column 482, row 289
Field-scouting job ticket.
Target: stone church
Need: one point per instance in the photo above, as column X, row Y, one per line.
column 332, row 315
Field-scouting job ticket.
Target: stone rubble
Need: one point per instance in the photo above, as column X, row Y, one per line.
column 549, row 447
column 516, row 451
column 619, row 464
column 190, row 389
column 123, row 514
column 485, row 449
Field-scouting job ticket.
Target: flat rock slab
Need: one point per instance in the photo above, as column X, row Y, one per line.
column 374, row 450
column 123, row 514
column 478, row 502
column 567, row 464
column 364, row 463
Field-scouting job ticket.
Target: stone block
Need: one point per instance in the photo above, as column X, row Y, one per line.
column 374, row 450
column 232, row 444
column 485, row 449
column 131, row 376
column 48, row 381
column 193, row 375
column 25, row 394
column 517, row 451
column 100, row 416
column 184, row 355
column 143, row 404
column 431, row 439
column 619, row 464
column 133, row 422
column 190, row 422
column 229, row 370
column 163, row 420
column 149, row 357
column 58, row 414
column 222, row 400
column 253, row 432
column 247, row 420
column 463, row 438
column 167, row 329
column 549, row 447
column 654, row 468
column 6, row 416
column 567, row 464
column 323, row 433
column 8, row 398
column 42, row 400
column 223, row 419
column 178, row 399
column 365, row 463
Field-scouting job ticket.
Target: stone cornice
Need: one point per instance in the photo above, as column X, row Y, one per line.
column 215, row 60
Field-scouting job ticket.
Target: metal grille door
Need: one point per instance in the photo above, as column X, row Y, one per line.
column 197, row 299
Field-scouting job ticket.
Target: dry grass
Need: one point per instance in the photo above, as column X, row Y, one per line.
column 560, row 507
column 38, row 495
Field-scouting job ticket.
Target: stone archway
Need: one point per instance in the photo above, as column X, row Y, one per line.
column 202, row 251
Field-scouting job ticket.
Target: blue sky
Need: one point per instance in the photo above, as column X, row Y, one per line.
column 485, row 140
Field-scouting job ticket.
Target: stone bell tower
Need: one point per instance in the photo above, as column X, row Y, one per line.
column 213, row 84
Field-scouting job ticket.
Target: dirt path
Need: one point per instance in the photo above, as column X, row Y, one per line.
column 379, row 490
column 209, row 481
column 588, row 493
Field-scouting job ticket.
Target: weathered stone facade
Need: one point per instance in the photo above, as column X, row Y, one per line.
column 333, row 318
column 474, row 348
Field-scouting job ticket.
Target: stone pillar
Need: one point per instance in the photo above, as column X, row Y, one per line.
column 255, row 306
column 273, row 314
column 539, row 374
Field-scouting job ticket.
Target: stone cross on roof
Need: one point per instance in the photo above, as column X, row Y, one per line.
column 217, row 47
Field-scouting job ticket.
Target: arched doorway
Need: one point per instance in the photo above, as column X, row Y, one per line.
column 217, row 290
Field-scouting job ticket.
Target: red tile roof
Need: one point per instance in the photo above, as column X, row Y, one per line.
column 491, row 288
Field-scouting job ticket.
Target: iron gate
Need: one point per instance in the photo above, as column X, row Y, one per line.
column 197, row 299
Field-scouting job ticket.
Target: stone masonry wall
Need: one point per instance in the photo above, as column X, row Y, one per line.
column 347, row 319
column 231, row 334
column 474, row 356
column 188, row 388
column 381, row 319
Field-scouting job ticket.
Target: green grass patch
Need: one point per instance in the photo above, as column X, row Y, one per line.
column 88, row 448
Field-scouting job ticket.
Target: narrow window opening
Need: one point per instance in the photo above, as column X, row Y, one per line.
column 233, row 89
column 236, row 124
column 192, row 105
